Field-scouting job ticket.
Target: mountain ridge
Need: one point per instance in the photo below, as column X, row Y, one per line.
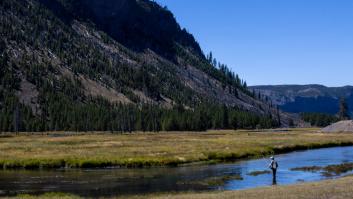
column 59, row 59
column 307, row 98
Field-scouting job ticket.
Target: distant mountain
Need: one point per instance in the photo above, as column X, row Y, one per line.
column 307, row 98
column 114, row 65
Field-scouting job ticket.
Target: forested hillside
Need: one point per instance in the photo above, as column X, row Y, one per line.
column 308, row 98
column 124, row 65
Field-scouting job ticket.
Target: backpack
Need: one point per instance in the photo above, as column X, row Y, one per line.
column 274, row 165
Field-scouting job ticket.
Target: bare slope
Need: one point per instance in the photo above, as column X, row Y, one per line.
column 342, row 126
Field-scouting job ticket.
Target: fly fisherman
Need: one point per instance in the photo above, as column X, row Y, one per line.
column 273, row 166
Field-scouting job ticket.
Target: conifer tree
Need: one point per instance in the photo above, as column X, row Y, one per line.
column 210, row 58
column 16, row 119
column 225, row 117
column 343, row 112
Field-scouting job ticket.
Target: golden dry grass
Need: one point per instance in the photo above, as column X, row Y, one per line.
column 149, row 149
column 330, row 189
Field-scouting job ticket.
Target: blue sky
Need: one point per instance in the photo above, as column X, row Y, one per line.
column 275, row 41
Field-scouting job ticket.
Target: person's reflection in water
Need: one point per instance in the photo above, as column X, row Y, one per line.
column 273, row 166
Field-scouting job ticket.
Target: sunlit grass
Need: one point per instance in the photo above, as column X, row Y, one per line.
column 155, row 149
column 339, row 188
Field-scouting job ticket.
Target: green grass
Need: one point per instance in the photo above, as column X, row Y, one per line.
column 93, row 150
column 331, row 170
column 214, row 181
column 219, row 181
column 339, row 169
column 257, row 173
column 308, row 169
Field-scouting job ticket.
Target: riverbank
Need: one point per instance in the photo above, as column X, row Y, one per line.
column 338, row 189
column 62, row 150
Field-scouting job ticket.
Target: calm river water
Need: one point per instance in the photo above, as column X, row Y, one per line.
column 114, row 182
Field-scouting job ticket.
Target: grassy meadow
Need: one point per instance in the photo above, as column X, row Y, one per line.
column 49, row 150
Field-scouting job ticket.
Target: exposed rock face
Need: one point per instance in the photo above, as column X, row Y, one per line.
column 342, row 126
column 125, row 51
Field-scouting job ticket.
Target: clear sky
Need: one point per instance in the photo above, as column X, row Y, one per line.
column 274, row 41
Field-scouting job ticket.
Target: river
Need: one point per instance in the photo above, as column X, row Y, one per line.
column 114, row 182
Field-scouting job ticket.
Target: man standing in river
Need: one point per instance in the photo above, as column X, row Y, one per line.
column 273, row 166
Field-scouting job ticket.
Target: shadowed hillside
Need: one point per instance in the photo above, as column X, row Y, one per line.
column 114, row 65
column 308, row 98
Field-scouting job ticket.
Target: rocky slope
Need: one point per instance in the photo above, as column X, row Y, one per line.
column 66, row 54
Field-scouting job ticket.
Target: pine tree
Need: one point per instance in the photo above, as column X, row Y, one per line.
column 210, row 58
column 225, row 117
column 214, row 62
column 278, row 116
column 343, row 112
column 16, row 119
column 234, row 122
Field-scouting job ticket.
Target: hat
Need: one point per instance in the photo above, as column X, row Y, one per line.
column 272, row 158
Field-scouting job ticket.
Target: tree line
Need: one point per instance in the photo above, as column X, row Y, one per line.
column 227, row 76
column 319, row 119
column 322, row 119
column 59, row 113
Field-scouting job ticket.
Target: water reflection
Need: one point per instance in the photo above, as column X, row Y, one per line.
column 115, row 182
